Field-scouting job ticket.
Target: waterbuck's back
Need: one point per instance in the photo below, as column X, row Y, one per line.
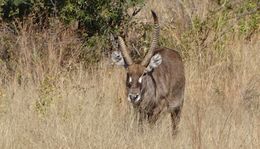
column 169, row 76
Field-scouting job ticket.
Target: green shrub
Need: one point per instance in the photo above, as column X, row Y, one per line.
column 95, row 16
column 95, row 19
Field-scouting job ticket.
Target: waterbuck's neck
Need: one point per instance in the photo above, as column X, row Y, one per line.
column 149, row 89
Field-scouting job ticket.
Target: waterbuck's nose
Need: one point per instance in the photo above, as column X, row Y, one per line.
column 134, row 97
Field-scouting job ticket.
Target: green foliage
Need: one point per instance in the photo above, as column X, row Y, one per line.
column 98, row 16
column 95, row 16
column 206, row 40
column 249, row 23
column 11, row 9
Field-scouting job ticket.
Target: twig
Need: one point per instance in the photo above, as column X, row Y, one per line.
column 137, row 51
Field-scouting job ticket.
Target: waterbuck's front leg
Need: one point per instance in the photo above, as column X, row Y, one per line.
column 140, row 116
column 157, row 110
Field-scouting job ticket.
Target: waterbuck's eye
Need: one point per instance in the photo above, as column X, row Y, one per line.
column 140, row 79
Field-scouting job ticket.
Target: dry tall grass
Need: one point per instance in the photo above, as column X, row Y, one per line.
column 46, row 107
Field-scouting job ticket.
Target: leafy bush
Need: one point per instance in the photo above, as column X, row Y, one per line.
column 95, row 16
column 11, row 9
column 220, row 25
column 95, row 19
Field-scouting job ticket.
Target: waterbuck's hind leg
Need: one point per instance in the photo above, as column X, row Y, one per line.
column 175, row 118
column 175, row 107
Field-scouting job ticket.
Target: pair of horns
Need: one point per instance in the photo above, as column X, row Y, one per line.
column 154, row 44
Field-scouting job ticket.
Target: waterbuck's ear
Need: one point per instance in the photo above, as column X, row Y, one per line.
column 117, row 58
column 155, row 61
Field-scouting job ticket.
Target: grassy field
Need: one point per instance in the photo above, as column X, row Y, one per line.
column 44, row 106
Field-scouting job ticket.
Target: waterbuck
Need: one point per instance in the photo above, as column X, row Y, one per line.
column 156, row 83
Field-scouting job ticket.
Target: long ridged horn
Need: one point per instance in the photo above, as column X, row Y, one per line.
column 154, row 43
column 125, row 54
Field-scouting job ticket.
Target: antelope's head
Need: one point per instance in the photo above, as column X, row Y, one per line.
column 137, row 72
